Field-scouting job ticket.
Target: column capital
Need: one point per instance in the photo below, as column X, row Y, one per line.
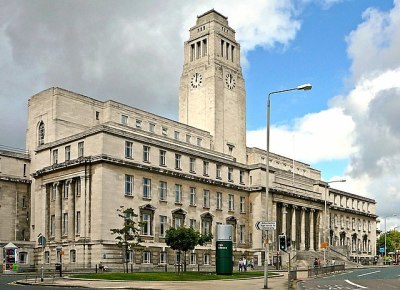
column 312, row 209
column 303, row 208
column 285, row 205
column 56, row 184
column 294, row 206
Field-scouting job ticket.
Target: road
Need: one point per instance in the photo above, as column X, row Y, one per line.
column 6, row 283
column 367, row 278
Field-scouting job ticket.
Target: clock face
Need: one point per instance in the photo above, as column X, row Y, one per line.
column 196, row 80
column 230, row 81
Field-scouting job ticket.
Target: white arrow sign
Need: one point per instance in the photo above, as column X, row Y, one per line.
column 265, row 226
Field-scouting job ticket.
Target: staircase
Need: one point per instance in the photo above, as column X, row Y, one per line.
column 306, row 258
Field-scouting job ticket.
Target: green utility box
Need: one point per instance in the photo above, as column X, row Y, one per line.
column 224, row 252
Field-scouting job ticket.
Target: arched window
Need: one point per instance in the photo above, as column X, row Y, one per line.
column 41, row 133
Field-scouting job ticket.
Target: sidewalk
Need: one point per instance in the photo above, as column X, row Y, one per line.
column 278, row 283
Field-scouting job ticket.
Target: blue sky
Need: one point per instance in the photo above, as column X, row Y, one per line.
column 346, row 126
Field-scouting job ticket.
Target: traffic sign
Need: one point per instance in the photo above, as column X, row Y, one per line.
column 265, row 226
column 42, row 241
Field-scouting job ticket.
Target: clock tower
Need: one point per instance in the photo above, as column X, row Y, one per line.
column 212, row 92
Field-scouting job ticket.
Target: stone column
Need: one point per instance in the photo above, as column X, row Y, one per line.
column 303, row 229
column 293, row 234
column 284, row 213
column 57, row 212
column 71, row 210
column 312, row 229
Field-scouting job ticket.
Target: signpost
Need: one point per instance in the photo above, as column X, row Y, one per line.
column 266, row 226
column 42, row 242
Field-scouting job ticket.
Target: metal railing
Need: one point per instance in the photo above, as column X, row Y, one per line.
column 317, row 271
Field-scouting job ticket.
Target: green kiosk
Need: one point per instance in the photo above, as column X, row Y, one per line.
column 224, row 253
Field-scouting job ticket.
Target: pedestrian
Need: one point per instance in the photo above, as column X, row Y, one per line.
column 316, row 263
column 333, row 262
column 240, row 264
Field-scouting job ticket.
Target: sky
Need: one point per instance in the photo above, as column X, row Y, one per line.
column 132, row 52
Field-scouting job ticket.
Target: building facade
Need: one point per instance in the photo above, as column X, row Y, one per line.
column 15, row 209
column 89, row 157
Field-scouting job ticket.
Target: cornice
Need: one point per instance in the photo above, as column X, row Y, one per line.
column 132, row 164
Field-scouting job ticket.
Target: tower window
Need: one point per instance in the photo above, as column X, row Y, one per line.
column 222, row 48
column 204, row 47
column 192, row 52
column 41, row 132
column 97, row 115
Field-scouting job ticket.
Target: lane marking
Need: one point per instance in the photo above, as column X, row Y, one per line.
column 368, row 273
column 354, row 284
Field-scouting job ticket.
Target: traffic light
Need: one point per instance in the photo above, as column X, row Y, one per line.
column 282, row 242
column 288, row 242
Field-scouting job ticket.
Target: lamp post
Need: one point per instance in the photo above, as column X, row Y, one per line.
column 326, row 223
column 304, row 87
column 385, row 230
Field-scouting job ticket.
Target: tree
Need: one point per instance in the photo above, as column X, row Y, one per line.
column 185, row 239
column 128, row 237
column 392, row 241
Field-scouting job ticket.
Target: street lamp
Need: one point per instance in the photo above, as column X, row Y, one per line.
column 326, row 223
column 385, row 230
column 304, row 87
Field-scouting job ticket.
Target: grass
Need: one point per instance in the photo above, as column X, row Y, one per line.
column 168, row 276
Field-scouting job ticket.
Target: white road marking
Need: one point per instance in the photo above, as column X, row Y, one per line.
column 368, row 273
column 354, row 284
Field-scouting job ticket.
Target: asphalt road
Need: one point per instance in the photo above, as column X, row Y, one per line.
column 7, row 283
column 385, row 278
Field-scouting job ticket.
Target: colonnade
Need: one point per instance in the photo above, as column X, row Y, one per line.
column 301, row 224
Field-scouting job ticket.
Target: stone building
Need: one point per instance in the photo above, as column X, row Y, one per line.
column 15, row 208
column 89, row 157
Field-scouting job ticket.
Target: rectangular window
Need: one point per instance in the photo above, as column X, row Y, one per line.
column 176, row 135
column 192, row 199
column 24, row 170
column 206, row 198
column 67, row 153
column 178, row 161
column 242, row 229
column 206, row 227
column 163, row 190
column 163, row 258
column 54, row 192
column 146, row 228
column 81, row 149
column 146, row 257
column 242, row 204
column 231, row 202
column 52, row 225
column 218, row 171
column 163, row 225
column 97, row 115
column 205, row 168
column 178, row 222
column 124, row 119
column 163, row 157
column 47, row 257
column 138, row 123
column 152, row 127
column 78, row 186
column 219, row 200
column 192, row 164
column 178, row 193
column 78, row 223
column 164, row 131
column 192, row 223
column 146, row 188
column 230, row 174
column 72, row 256
column 206, row 259
column 199, row 141
column 23, row 257
column 128, row 184
column 66, row 189
column 192, row 260
column 241, row 176
column 188, row 137
column 55, row 156
column 128, row 149
column 65, row 224
column 146, row 153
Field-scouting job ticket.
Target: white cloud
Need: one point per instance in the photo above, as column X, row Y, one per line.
column 326, row 135
column 128, row 51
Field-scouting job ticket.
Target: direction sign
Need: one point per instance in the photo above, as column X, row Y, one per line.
column 265, row 226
